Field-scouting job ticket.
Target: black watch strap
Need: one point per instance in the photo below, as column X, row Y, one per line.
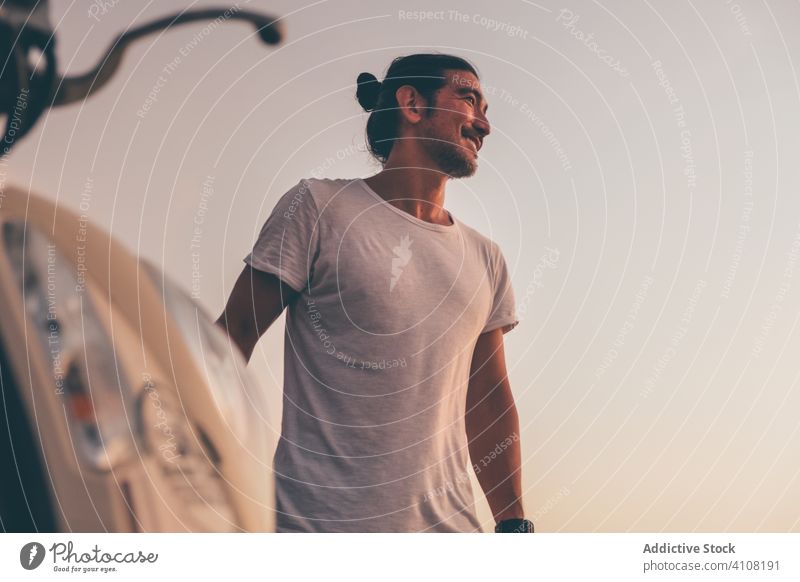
column 514, row 525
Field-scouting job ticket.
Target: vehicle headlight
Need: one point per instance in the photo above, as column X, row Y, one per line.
column 73, row 341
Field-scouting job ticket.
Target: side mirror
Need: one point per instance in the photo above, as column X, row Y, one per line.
column 27, row 88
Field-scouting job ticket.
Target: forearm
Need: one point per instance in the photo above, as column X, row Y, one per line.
column 495, row 449
column 245, row 341
column 257, row 300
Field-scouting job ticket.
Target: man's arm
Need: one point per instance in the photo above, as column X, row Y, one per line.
column 492, row 425
column 256, row 301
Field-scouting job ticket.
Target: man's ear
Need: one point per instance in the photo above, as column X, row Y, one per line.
column 410, row 103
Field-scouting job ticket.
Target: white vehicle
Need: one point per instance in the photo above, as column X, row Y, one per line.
column 124, row 407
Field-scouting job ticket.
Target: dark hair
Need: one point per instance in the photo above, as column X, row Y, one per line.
column 424, row 72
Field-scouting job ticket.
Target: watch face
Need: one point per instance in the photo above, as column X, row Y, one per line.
column 514, row 526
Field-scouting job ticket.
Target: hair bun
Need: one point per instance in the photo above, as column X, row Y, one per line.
column 368, row 90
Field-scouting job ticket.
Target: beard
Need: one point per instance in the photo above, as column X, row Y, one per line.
column 453, row 159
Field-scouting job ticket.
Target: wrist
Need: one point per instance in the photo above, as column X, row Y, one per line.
column 514, row 511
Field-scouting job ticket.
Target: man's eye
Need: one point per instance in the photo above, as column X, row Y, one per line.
column 471, row 99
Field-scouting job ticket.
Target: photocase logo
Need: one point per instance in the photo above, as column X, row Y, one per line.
column 31, row 555
column 402, row 254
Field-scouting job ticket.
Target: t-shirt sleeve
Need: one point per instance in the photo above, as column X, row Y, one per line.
column 288, row 243
column 503, row 313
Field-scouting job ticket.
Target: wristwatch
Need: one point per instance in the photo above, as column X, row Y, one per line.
column 514, row 525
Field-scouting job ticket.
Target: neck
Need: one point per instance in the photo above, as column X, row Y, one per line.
column 412, row 188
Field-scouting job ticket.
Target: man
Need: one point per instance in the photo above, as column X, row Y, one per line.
column 394, row 362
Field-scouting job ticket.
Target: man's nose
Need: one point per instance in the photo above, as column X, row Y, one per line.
column 482, row 125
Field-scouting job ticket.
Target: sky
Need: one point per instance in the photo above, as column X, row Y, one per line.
column 641, row 179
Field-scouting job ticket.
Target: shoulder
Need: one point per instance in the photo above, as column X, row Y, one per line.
column 329, row 196
column 487, row 247
column 324, row 189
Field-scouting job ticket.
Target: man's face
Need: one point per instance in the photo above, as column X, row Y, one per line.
column 455, row 128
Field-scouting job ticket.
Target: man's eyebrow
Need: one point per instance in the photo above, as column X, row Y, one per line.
column 478, row 95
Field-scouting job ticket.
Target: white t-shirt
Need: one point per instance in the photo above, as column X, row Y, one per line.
column 378, row 347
